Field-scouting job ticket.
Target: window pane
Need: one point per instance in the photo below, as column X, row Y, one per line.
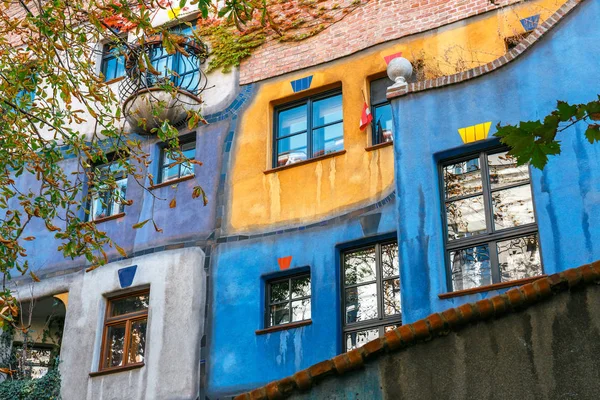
column 519, row 258
column 329, row 139
column 300, row 287
column 280, row 291
column 115, row 340
column 504, row 170
column 300, row 310
column 292, row 121
column 137, row 342
column 361, row 303
column 119, row 196
column 291, row 150
column 379, row 90
column 327, row 111
column 100, row 206
column 512, row 207
column 359, row 338
column 465, row 217
column 109, row 68
column 462, row 179
column 391, row 297
column 389, row 260
column 383, row 124
column 279, row 314
column 169, row 173
column 359, row 266
column 470, row 267
column 129, row 304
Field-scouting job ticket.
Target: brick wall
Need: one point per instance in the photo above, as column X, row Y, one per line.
column 375, row 22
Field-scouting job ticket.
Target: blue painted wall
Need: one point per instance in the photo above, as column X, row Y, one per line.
column 562, row 66
column 239, row 358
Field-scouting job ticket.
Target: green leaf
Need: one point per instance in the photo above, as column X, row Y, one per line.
column 592, row 133
column 565, row 111
column 140, row 224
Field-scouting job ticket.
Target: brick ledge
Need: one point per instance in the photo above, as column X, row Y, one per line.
column 498, row 63
column 435, row 325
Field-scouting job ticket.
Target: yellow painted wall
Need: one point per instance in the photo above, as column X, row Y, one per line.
column 321, row 189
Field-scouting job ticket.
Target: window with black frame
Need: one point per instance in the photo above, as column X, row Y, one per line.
column 171, row 165
column 371, row 297
column 113, row 62
column 288, row 300
column 491, row 231
column 309, row 128
column 381, row 109
column 107, row 196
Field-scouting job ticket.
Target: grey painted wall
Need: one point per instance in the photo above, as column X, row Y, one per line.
column 175, row 324
column 549, row 351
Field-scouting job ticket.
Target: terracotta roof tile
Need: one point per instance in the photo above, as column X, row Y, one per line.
column 438, row 324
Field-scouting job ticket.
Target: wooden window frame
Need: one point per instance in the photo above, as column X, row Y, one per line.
column 491, row 237
column 381, row 321
column 118, row 320
column 309, row 100
column 289, row 300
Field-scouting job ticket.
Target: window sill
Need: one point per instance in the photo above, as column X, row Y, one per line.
column 109, row 218
column 310, row 160
column 379, row 146
column 487, row 288
column 114, row 370
column 283, row 327
column 173, row 181
column 110, row 82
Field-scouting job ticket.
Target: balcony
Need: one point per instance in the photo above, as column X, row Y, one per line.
column 167, row 91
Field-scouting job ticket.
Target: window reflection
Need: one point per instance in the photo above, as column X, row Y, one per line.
column 465, row 218
column 471, row 267
column 519, row 258
column 289, row 300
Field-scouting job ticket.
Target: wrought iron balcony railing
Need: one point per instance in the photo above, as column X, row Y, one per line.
column 178, row 70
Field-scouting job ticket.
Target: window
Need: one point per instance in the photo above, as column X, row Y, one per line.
column 170, row 168
column 124, row 338
column 371, row 298
column 182, row 71
column 381, row 109
column 308, row 128
column 39, row 359
column 288, row 300
column 108, row 195
column 491, row 233
column 113, row 62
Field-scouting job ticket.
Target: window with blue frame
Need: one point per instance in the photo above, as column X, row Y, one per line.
column 113, row 62
column 371, row 293
column 490, row 226
column 182, row 71
column 381, row 109
column 309, row 128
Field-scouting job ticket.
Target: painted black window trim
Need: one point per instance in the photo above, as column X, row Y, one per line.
column 309, row 122
column 381, row 321
column 268, row 303
column 491, row 238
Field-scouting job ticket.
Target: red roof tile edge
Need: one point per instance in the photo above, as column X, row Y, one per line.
column 525, row 45
column 435, row 325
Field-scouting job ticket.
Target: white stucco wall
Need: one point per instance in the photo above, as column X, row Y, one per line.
column 176, row 280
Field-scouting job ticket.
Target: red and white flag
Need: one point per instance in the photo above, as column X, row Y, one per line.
column 365, row 117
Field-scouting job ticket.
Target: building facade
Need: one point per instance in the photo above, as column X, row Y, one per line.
column 321, row 234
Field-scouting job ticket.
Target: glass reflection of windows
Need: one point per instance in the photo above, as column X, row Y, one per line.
column 371, row 282
column 491, row 233
column 171, row 168
column 381, row 109
column 308, row 128
column 288, row 300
